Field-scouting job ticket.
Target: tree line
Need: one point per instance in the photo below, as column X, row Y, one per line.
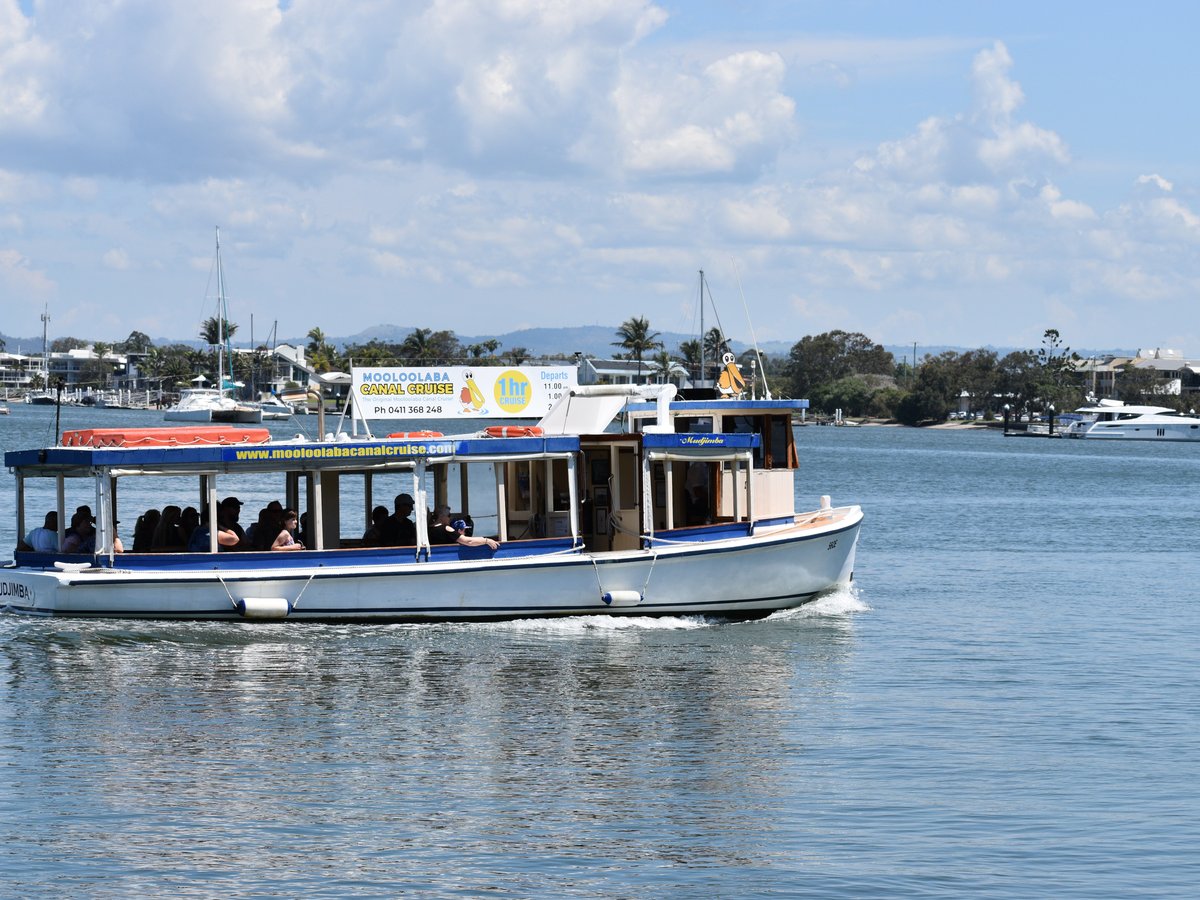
column 840, row 370
column 833, row 370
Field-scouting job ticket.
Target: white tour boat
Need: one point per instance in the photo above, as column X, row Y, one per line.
column 1114, row 420
column 689, row 509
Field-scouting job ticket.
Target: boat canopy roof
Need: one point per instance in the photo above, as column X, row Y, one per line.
column 295, row 455
column 347, row 454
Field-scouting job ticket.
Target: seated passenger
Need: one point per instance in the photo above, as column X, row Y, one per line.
column 461, row 537
column 227, row 537
column 45, row 539
column 261, row 534
column 440, row 530
column 188, row 522
column 376, row 534
column 143, row 530
column 81, row 537
column 401, row 531
column 230, row 535
column 117, row 546
column 286, row 540
column 198, row 542
column 169, row 535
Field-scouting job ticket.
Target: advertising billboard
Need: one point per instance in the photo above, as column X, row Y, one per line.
column 466, row 392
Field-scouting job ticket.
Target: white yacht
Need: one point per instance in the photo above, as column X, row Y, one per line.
column 1113, row 420
column 211, row 405
column 273, row 408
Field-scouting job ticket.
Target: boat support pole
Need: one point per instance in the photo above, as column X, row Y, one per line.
column 60, row 497
column 573, row 505
column 21, row 532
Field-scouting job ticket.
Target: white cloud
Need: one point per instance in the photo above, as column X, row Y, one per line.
column 730, row 118
column 116, row 259
column 658, row 212
column 16, row 274
column 984, row 143
column 23, row 57
column 1157, row 181
column 759, row 218
column 1065, row 209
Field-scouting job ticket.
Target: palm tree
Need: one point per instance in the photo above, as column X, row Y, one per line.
column 416, row 347
column 714, row 347
column 662, row 362
column 517, row 355
column 322, row 355
column 213, row 329
column 637, row 338
column 690, row 351
column 102, row 370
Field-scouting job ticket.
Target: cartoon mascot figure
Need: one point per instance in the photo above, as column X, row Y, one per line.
column 731, row 384
column 470, row 396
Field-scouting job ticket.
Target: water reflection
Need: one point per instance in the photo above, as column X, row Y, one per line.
column 395, row 754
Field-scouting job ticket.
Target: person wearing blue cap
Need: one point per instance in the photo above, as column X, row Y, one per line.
column 444, row 531
column 467, row 540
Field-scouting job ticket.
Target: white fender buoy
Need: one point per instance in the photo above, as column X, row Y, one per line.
column 622, row 598
column 264, row 607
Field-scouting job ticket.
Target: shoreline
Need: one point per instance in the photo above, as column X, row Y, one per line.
column 976, row 425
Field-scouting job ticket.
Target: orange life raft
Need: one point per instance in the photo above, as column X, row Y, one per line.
column 197, row 436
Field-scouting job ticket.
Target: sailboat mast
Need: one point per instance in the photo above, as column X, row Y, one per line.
column 45, row 347
column 700, row 383
column 220, row 318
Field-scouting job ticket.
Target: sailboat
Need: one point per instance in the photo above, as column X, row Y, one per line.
column 204, row 404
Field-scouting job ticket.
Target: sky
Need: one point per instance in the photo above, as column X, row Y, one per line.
column 942, row 173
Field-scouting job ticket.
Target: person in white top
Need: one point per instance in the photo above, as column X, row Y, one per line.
column 45, row 539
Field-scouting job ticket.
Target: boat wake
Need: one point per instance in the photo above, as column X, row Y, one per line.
column 603, row 623
column 841, row 602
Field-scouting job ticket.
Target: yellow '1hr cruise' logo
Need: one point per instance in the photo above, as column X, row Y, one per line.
column 513, row 391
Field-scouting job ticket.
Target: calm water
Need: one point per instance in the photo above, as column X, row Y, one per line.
column 1005, row 705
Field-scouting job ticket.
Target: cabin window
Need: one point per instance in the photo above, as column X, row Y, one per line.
column 752, row 425
column 693, row 424
column 781, row 447
column 519, row 478
column 560, row 485
column 627, row 478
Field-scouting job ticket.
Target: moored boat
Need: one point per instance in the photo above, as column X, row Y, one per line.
column 1114, row 420
column 688, row 510
column 201, row 404
column 212, row 405
column 274, row 409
